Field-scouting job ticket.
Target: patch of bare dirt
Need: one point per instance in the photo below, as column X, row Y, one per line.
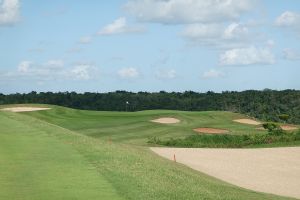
column 288, row 127
column 270, row 170
column 166, row 120
column 247, row 121
column 211, row 130
column 24, row 109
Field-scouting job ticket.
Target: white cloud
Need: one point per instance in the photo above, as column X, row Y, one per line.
column 31, row 70
column 24, row 66
column 166, row 74
column 289, row 20
column 235, row 31
column 9, row 12
column 52, row 70
column 119, row 26
column 291, row 54
column 81, row 72
column 247, row 56
column 218, row 35
column 212, row 73
column 85, row 40
column 46, row 70
column 187, row 11
column 128, row 73
column 202, row 31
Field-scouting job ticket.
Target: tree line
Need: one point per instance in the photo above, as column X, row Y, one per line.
column 265, row 104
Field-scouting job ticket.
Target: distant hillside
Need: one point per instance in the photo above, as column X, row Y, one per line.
column 266, row 104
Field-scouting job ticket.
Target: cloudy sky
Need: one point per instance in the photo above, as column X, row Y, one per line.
column 149, row 45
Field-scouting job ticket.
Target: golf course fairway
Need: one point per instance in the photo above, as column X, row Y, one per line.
column 63, row 153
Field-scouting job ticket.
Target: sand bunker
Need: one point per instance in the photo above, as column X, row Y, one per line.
column 247, row 121
column 284, row 127
column 270, row 170
column 24, row 109
column 166, row 120
column 210, row 130
column 288, row 127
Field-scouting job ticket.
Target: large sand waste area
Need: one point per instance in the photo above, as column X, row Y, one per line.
column 270, row 170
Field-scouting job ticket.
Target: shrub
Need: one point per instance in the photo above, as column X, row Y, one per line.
column 284, row 117
column 271, row 126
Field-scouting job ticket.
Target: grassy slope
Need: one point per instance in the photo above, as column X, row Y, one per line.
column 136, row 128
column 44, row 161
column 36, row 166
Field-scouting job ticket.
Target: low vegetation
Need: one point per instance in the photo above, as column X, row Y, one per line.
column 274, row 137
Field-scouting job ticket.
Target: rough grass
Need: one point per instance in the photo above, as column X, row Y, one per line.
column 231, row 141
column 40, row 160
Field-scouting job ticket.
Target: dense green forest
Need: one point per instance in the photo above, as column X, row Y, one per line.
column 266, row 104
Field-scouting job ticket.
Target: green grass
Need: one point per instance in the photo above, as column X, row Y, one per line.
column 50, row 155
column 136, row 128
column 35, row 165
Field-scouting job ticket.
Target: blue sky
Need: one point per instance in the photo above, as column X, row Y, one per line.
column 149, row 45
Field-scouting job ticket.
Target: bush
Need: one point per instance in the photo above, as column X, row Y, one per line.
column 271, row 126
column 284, row 117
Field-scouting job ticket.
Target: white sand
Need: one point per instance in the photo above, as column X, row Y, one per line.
column 247, row 121
column 166, row 120
column 24, row 109
column 270, row 170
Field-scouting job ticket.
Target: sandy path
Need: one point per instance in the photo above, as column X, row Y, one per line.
column 166, row 120
column 270, row 170
column 24, row 109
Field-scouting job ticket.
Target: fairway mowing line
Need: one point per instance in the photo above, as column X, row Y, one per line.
column 269, row 170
